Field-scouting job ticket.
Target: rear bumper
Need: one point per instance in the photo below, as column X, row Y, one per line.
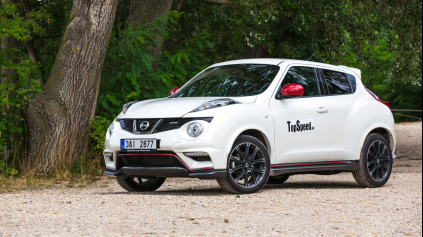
column 166, row 173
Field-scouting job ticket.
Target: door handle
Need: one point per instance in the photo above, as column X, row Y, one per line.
column 322, row 110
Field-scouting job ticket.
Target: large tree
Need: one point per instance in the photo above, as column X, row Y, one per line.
column 59, row 117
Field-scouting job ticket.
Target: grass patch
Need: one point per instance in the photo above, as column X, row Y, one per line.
column 38, row 182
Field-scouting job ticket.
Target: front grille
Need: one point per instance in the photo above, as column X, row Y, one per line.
column 128, row 125
column 162, row 159
column 157, row 125
column 172, row 124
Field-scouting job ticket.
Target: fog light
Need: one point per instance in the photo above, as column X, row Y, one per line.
column 196, row 154
column 195, row 130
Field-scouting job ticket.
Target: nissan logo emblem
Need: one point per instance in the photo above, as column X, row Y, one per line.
column 144, row 125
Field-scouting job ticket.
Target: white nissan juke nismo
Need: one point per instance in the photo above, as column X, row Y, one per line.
column 251, row 122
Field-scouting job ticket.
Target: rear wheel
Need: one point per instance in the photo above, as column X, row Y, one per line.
column 137, row 184
column 248, row 166
column 278, row 179
column 375, row 163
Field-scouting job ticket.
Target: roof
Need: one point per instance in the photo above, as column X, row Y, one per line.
column 277, row 61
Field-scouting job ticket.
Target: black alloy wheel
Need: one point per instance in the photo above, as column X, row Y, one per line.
column 248, row 166
column 376, row 162
column 138, row 184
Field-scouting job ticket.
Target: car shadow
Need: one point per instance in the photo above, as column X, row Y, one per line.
column 289, row 186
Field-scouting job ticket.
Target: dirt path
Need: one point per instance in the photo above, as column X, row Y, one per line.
column 409, row 148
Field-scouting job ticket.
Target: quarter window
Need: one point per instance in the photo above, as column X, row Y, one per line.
column 353, row 81
column 306, row 77
column 337, row 82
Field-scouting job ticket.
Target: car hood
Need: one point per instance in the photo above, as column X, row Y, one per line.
column 172, row 107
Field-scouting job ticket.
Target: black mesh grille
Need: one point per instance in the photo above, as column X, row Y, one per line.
column 128, row 125
column 171, row 124
column 165, row 124
column 165, row 159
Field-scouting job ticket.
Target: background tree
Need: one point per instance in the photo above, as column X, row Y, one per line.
column 16, row 74
column 156, row 45
column 59, row 117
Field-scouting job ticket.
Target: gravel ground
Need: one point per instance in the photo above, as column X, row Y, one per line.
column 409, row 147
column 306, row 205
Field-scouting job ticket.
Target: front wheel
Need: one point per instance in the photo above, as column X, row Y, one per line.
column 137, row 184
column 375, row 163
column 248, row 167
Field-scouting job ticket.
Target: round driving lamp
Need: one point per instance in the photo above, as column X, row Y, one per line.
column 195, row 130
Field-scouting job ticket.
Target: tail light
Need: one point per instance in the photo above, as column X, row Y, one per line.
column 378, row 99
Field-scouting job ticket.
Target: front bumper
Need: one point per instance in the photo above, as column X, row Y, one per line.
column 213, row 141
column 165, row 173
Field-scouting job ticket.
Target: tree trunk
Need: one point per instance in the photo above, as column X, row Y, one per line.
column 143, row 12
column 58, row 118
column 7, row 45
column 30, row 44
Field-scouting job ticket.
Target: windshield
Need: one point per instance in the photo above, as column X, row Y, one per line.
column 230, row 81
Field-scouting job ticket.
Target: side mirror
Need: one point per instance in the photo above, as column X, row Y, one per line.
column 292, row 91
column 174, row 90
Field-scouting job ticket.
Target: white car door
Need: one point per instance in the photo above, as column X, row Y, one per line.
column 302, row 125
column 346, row 127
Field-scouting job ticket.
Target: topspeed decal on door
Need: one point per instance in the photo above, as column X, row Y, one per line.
column 300, row 126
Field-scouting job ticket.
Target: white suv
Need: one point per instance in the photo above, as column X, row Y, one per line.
column 251, row 122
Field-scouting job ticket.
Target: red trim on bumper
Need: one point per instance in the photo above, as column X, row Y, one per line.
column 183, row 163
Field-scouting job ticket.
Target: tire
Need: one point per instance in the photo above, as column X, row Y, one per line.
column 375, row 162
column 248, row 167
column 278, row 179
column 136, row 184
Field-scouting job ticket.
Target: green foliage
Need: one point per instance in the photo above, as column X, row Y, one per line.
column 18, row 73
column 8, row 171
column 131, row 72
column 98, row 130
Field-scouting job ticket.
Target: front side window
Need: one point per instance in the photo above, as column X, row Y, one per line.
column 306, row 77
column 230, row 81
column 338, row 83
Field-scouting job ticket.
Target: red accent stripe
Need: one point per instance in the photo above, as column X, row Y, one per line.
column 183, row 163
column 327, row 163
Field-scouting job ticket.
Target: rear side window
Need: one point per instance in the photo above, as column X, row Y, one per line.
column 338, row 83
column 306, row 77
column 353, row 81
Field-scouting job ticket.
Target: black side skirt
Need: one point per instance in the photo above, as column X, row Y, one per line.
column 324, row 168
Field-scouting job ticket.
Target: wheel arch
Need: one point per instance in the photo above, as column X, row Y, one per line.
column 254, row 131
column 382, row 129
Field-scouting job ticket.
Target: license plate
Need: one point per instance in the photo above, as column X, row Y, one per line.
column 139, row 144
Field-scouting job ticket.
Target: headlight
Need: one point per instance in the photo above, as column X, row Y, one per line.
column 195, row 130
column 112, row 128
column 126, row 106
column 215, row 104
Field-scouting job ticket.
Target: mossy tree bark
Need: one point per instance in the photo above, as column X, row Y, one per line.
column 143, row 12
column 58, row 118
